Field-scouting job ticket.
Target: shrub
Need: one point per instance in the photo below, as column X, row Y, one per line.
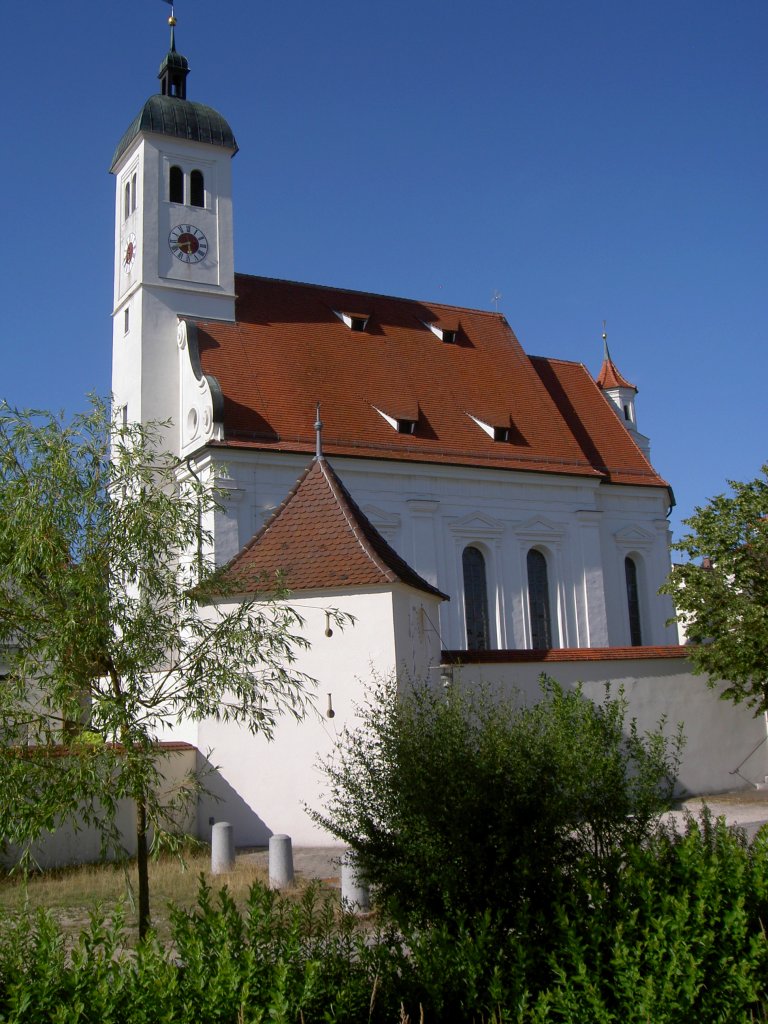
column 677, row 938
column 457, row 803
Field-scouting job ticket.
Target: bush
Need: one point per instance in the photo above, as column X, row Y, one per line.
column 680, row 939
column 456, row 803
column 677, row 938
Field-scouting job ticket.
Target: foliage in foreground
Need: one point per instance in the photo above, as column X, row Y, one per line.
column 109, row 618
column 679, row 938
column 456, row 802
column 721, row 591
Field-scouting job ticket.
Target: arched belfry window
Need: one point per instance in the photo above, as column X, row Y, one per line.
column 196, row 189
column 538, row 600
column 133, row 193
column 176, row 185
column 475, row 599
column 127, row 201
column 633, row 602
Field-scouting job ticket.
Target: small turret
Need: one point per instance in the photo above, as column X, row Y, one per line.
column 621, row 394
column 174, row 69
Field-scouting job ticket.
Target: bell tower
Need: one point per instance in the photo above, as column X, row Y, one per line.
column 173, row 245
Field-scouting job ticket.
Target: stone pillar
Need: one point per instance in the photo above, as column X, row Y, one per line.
column 222, row 848
column 280, row 862
column 354, row 888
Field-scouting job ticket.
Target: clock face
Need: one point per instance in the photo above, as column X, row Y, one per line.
column 188, row 243
column 129, row 252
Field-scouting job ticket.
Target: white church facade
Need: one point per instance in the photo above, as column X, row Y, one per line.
column 516, row 485
column 498, row 502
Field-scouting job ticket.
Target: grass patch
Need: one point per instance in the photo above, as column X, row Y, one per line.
column 73, row 894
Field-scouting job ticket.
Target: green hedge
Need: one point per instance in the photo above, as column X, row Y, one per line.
column 678, row 938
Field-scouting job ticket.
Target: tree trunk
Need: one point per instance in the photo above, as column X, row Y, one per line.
column 142, row 866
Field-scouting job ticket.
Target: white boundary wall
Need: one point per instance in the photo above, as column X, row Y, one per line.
column 726, row 746
column 75, row 844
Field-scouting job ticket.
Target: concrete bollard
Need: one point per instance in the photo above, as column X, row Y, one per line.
column 222, row 848
column 354, row 888
column 280, row 862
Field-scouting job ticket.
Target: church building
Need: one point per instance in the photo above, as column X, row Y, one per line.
column 517, row 485
column 373, row 445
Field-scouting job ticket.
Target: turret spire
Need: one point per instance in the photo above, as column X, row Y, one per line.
column 609, row 376
column 174, row 69
column 318, row 434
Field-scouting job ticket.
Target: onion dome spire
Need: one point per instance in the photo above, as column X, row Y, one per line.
column 174, row 69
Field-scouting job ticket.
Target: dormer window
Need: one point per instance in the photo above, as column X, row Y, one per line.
column 447, row 335
column 354, row 321
column 498, row 432
column 402, row 424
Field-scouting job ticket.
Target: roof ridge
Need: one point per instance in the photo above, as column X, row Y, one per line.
column 376, row 551
column 342, row 498
column 374, row 295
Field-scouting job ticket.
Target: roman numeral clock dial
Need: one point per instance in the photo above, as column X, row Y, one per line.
column 188, row 243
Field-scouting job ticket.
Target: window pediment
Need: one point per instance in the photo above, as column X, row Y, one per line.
column 539, row 529
column 634, row 536
column 477, row 525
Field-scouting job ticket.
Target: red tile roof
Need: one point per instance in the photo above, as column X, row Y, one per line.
column 288, row 350
column 319, row 539
column 609, row 376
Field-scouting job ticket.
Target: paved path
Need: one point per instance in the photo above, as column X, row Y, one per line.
column 308, row 861
column 747, row 808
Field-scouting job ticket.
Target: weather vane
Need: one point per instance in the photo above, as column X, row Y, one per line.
column 172, row 18
column 497, row 297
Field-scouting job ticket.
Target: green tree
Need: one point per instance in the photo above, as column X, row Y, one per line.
column 103, row 579
column 457, row 803
column 721, row 592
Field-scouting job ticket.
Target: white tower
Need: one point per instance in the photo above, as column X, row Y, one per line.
column 173, row 241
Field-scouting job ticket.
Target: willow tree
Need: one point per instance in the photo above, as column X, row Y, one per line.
column 103, row 633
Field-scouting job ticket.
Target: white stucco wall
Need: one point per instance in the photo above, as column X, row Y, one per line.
column 430, row 513
column 82, row 845
column 262, row 785
column 721, row 738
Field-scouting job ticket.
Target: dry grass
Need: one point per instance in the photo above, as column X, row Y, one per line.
column 73, row 894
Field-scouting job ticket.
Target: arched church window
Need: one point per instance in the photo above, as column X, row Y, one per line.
column 633, row 602
column 127, row 201
column 538, row 600
column 196, row 189
column 176, row 185
column 475, row 599
column 133, row 193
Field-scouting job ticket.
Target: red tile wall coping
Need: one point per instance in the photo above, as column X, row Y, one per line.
column 168, row 746
column 563, row 654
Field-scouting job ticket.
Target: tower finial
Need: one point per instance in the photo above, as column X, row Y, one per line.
column 172, row 23
column 175, row 68
column 318, row 435
column 606, row 353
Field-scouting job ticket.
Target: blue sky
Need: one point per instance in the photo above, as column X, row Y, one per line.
column 587, row 161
